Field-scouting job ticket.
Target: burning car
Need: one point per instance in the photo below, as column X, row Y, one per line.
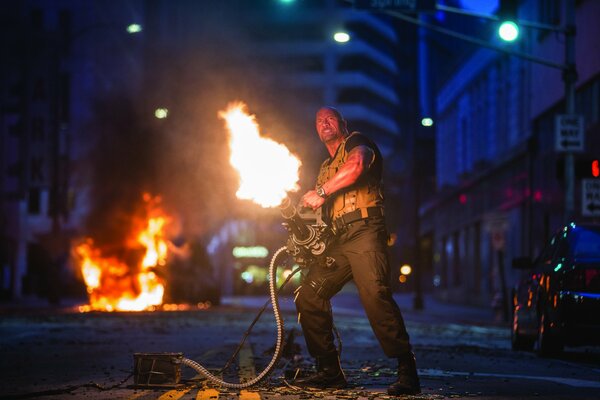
column 557, row 302
column 147, row 271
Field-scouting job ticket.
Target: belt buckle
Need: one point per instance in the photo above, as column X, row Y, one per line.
column 339, row 225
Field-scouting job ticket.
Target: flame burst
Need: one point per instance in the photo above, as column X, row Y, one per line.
column 267, row 169
column 112, row 284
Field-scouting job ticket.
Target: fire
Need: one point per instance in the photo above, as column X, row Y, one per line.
column 267, row 169
column 112, row 284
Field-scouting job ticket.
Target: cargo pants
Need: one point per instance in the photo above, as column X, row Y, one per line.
column 360, row 253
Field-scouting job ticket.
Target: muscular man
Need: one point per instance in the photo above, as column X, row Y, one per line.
column 349, row 193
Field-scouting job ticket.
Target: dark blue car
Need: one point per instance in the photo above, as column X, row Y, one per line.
column 557, row 302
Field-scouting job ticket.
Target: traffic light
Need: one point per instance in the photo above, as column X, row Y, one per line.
column 595, row 169
column 585, row 167
column 508, row 29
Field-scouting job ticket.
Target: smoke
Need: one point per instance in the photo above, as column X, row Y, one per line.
column 123, row 164
column 214, row 58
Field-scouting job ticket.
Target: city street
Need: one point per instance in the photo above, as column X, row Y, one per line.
column 461, row 353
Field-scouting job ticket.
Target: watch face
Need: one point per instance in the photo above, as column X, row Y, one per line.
column 321, row 192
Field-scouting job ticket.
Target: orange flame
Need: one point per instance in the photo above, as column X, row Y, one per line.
column 267, row 169
column 112, row 285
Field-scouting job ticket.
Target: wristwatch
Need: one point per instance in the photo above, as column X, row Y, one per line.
column 321, row 192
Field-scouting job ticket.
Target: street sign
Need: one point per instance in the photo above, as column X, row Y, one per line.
column 590, row 197
column 496, row 224
column 395, row 5
column 569, row 133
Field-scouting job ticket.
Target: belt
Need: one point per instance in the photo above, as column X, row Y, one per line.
column 344, row 220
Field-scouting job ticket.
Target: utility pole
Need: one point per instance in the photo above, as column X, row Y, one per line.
column 569, row 78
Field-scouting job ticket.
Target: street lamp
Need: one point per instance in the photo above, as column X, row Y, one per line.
column 405, row 269
column 341, row 37
column 134, row 28
column 161, row 113
column 427, row 121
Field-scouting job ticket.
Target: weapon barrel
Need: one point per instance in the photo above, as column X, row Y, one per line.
column 296, row 224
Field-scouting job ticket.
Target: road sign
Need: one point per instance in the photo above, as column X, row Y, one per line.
column 395, row 5
column 568, row 133
column 497, row 225
column 590, row 197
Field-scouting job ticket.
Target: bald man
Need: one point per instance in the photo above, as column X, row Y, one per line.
column 350, row 196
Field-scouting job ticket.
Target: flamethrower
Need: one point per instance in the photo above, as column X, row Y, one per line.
column 306, row 244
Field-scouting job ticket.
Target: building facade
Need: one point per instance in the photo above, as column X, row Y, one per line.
column 68, row 54
column 500, row 186
column 58, row 56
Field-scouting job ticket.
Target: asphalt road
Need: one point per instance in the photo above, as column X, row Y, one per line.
column 63, row 354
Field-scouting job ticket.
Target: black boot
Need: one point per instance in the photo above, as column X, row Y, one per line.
column 408, row 380
column 329, row 375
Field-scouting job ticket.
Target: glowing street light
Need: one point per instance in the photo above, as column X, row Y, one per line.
column 341, row 37
column 508, row 31
column 405, row 269
column 161, row 113
column 134, row 28
column 426, row 121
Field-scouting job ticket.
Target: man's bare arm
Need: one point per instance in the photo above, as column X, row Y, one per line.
column 359, row 160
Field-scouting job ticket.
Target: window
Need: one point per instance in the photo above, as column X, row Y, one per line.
column 64, row 27
column 37, row 19
column 65, row 97
column 34, row 201
column 549, row 13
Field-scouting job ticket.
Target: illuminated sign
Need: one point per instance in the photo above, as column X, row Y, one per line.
column 250, row 252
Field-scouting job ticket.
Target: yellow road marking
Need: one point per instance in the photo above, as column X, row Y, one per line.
column 174, row 394
column 247, row 371
column 246, row 395
column 207, row 394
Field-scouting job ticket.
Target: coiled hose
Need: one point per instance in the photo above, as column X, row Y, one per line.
column 278, row 344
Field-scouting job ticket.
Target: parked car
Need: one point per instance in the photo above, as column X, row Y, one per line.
column 557, row 302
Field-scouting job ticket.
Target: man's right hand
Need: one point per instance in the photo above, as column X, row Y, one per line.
column 312, row 199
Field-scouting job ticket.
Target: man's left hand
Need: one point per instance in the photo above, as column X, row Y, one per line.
column 312, row 199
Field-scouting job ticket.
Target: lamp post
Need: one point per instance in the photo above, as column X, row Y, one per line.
column 569, row 78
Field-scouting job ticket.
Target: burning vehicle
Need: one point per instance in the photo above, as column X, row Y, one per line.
column 148, row 271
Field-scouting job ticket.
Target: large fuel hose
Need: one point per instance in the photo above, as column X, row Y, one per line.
column 278, row 344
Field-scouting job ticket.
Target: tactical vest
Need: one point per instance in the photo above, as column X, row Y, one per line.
column 365, row 192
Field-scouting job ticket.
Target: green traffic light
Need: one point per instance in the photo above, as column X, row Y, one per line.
column 508, row 31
